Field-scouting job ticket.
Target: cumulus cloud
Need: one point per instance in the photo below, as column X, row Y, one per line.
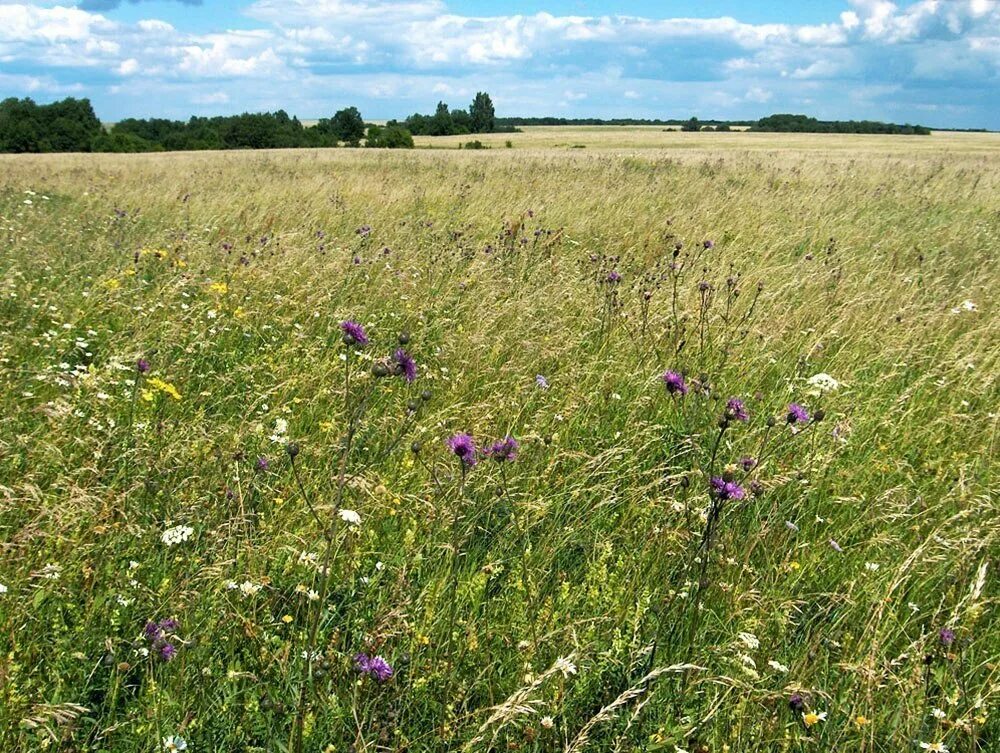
column 100, row 5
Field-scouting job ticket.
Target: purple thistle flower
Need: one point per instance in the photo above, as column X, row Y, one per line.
column 614, row 277
column 748, row 463
column 736, row 410
column 354, row 331
column 168, row 651
column 796, row 702
column 405, row 365
column 362, row 663
column 541, row 381
column 464, row 446
column 169, row 625
column 364, row 231
column 674, row 382
column 374, row 666
column 380, row 669
column 708, row 244
column 504, row 450
column 726, row 489
column 797, row 414
column 946, row 636
column 142, row 365
column 152, row 631
column 262, row 463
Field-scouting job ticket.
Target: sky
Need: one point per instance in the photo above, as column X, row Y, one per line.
column 934, row 62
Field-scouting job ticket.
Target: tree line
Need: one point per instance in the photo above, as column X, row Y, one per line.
column 479, row 118
column 72, row 126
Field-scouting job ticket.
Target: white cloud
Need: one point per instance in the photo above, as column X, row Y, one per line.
column 128, row 67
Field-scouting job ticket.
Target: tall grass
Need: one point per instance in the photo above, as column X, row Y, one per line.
column 592, row 594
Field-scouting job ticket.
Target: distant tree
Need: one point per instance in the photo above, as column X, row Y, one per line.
column 691, row 125
column 348, row 126
column 69, row 125
column 388, row 137
column 482, row 114
column 461, row 122
column 723, row 127
column 441, row 123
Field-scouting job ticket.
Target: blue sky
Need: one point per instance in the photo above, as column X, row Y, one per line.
column 935, row 62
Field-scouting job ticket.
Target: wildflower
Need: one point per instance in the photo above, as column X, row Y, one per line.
column 374, row 666
column 791, row 526
column 142, row 366
column 708, row 244
column 796, row 414
column 935, row 747
column 565, row 666
column 796, row 702
column 504, row 450
column 726, row 489
column 748, row 463
column 176, row 535
column 821, row 383
column 811, row 718
column 3, row 589
column 364, row 231
column 167, row 651
column 946, row 636
column 165, row 387
column 405, row 365
column 350, row 516
column 220, row 288
column 174, row 744
column 465, row 447
column 541, row 381
column 547, row 722
column 354, row 333
column 777, row 666
column 835, row 546
column 736, row 410
column 674, row 382
column 861, row 720
column 262, row 464
column 965, row 305
column 614, row 277
column 938, row 714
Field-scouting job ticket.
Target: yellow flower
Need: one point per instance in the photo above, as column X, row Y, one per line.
column 861, row 721
column 793, row 566
column 165, row 387
column 287, row 619
column 811, row 718
column 219, row 287
column 113, row 284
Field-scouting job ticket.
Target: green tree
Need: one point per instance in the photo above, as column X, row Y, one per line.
column 389, row 137
column 484, row 118
column 348, row 126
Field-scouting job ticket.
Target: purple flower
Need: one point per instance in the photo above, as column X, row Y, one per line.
column 736, row 410
column 797, row 414
column 541, row 381
column 748, row 463
column 262, row 463
column 142, row 365
column 708, row 244
column 374, row 666
column 726, row 489
column 355, row 332
column 504, row 450
column 405, row 365
column 946, row 636
column 835, row 546
column 614, row 277
column 167, row 651
column 169, row 625
column 674, row 382
column 796, row 702
column 364, row 231
column 151, row 630
column 380, row 669
column 362, row 663
column 464, row 446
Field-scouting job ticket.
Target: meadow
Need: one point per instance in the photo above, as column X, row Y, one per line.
column 672, row 442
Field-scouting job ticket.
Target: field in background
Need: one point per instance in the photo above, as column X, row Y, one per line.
column 599, row 591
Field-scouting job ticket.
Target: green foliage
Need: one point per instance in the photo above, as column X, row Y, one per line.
column 787, row 123
column 482, row 113
column 389, row 137
column 69, row 125
column 346, row 126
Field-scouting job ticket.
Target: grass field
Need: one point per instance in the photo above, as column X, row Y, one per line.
column 216, row 510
